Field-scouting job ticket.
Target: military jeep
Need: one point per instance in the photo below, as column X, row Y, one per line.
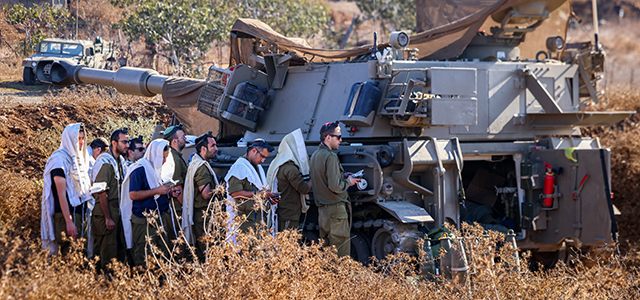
column 98, row 54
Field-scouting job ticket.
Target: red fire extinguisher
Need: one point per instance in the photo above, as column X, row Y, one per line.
column 548, row 187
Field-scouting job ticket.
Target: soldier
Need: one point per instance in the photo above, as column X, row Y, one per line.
column 96, row 147
column 246, row 183
column 330, row 190
column 143, row 192
column 66, row 191
column 199, row 191
column 108, row 239
column 177, row 140
column 288, row 174
column 136, row 151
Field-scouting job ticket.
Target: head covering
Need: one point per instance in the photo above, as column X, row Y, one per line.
column 154, row 154
column 292, row 148
column 80, row 160
column 171, row 130
column 203, row 136
column 261, row 143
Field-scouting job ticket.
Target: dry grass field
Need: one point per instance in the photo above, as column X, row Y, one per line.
column 32, row 118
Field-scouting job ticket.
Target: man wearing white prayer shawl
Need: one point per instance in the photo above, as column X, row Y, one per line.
column 106, row 225
column 288, row 175
column 199, row 188
column 66, row 201
column 247, row 183
column 143, row 193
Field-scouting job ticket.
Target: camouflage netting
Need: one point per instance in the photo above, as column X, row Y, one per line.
column 445, row 29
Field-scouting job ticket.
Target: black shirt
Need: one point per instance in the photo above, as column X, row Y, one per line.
column 56, row 202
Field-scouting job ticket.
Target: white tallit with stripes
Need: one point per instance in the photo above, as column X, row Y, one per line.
column 75, row 164
column 190, row 194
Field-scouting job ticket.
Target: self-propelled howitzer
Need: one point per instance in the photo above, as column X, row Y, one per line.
column 466, row 138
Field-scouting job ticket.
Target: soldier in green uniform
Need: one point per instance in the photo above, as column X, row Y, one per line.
column 289, row 174
column 291, row 185
column 177, row 140
column 199, row 191
column 108, row 237
column 330, row 190
column 247, row 182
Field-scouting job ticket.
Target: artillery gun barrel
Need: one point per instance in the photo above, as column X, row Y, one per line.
column 133, row 81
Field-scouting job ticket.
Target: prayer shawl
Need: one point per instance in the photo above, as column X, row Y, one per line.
column 292, row 148
column 152, row 164
column 168, row 168
column 75, row 164
column 190, row 194
column 126, row 165
column 242, row 169
column 107, row 158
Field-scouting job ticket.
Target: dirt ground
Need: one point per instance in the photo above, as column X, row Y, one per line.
column 28, row 122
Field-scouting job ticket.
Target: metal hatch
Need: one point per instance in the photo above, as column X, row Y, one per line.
column 406, row 212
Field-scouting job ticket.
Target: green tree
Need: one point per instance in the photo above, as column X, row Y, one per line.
column 299, row 18
column 392, row 14
column 38, row 22
column 183, row 29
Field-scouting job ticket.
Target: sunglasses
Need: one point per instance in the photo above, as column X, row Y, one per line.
column 263, row 157
column 339, row 136
column 141, row 149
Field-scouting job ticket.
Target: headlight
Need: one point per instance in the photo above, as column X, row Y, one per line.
column 33, row 64
column 387, row 189
column 399, row 40
column 555, row 43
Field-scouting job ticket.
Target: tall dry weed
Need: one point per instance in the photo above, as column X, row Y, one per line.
column 263, row 267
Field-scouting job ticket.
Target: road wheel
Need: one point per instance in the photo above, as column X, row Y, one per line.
column 360, row 248
column 28, row 77
column 544, row 260
column 382, row 244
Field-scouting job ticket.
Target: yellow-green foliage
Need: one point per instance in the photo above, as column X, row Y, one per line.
column 139, row 126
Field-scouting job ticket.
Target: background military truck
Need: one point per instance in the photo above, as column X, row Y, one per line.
column 450, row 125
column 98, row 54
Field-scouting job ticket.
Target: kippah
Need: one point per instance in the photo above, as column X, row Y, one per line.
column 262, row 144
column 204, row 136
column 171, row 130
